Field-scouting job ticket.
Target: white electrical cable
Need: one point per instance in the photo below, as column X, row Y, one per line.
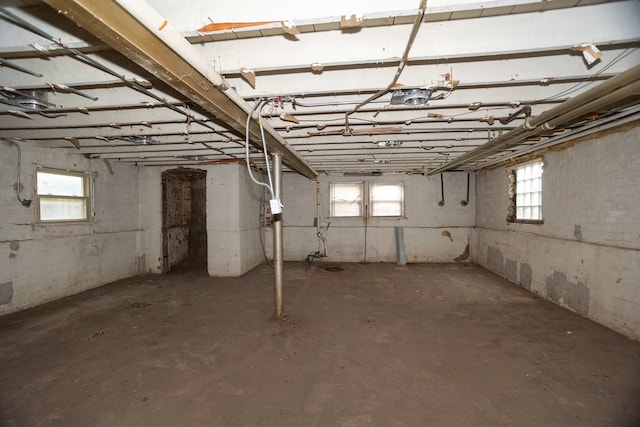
column 18, row 186
column 264, row 147
column 257, row 106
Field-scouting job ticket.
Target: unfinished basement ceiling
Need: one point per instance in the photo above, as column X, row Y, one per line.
column 328, row 75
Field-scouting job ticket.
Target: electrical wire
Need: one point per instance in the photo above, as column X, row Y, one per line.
column 588, row 80
column 257, row 106
column 92, row 62
column 403, row 61
column 24, row 202
column 264, row 150
column 336, row 103
column 260, row 228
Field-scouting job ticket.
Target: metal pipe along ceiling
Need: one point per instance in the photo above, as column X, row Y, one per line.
column 403, row 61
column 135, row 30
column 602, row 96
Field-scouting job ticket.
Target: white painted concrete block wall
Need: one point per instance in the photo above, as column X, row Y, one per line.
column 424, row 221
column 586, row 255
column 233, row 206
column 249, row 225
column 44, row 262
column 150, row 217
column 223, row 216
column 233, row 203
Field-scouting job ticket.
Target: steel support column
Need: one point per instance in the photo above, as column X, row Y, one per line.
column 277, row 239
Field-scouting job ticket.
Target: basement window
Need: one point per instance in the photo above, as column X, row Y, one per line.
column 525, row 192
column 63, row 196
column 386, row 199
column 346, row 199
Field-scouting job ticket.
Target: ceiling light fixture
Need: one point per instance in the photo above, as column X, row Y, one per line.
column 414, row 96
column 28, row 99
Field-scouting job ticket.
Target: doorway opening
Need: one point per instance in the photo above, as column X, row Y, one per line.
column 184, row 218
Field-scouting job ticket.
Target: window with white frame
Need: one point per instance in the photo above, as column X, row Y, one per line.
column 526, row 193
column 63, row 196
column 386, row 199
column 346, row 199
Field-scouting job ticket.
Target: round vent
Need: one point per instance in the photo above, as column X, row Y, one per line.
column 29, row 99
column 417, row 97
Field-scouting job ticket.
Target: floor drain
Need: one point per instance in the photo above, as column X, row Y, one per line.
column 333, row 268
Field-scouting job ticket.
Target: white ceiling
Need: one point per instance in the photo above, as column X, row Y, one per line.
column 498, row 56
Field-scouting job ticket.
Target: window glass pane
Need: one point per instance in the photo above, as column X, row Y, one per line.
column 386, row 199
column 386, row 209
column 63, row 196
column 346, row 199
column 535, row 212
column 386, row 192
column 536, row 184
column 535, row 198
column 60, row 184
column 53, row 209
column 537, row 169
column 346, row 209
column 529, row 192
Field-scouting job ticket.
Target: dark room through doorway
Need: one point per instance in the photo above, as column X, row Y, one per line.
column 184, row 225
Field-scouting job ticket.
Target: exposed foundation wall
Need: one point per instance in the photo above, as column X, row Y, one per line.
column 150, row 210
column 233, row 209
column 45, row 262
column 233, row 206
column 432, row 233
column 586, row 255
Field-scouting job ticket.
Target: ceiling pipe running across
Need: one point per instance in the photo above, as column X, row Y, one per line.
column 602, row 96
column 403, row 62
column 137, row 31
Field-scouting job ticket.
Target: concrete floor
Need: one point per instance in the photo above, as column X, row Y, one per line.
column 371, row 345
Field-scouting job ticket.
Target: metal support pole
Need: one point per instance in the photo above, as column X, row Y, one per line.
column 277, row 239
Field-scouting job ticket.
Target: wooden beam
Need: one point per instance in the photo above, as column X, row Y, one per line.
column 161, row 51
